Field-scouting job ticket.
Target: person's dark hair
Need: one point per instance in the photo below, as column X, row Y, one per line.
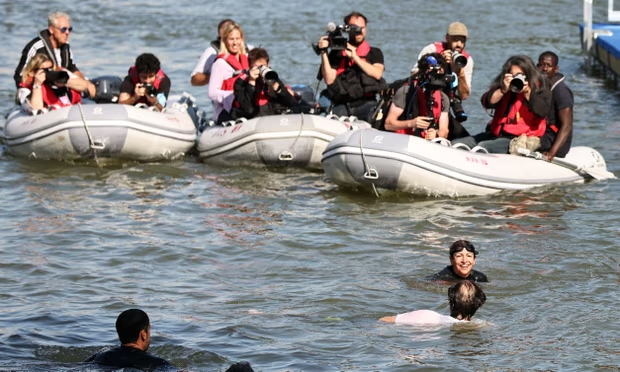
column 536, row 79
column 348, row 17
column 130, row 323
column 425, row 62
column 459, row 245
column 554, row 57
column 240, row 367
column 147, row 63
column 223, row 22
column 465, row 298
column 256, row 54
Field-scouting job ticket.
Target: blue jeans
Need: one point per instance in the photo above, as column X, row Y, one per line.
column 494, row 145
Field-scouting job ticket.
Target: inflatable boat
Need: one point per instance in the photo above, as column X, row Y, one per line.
column 278, row 141
column 379, row 160
column 103, row 130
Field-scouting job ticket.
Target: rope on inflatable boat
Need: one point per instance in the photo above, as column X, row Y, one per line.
column 94, row 145
column 287, row 155
column 370, row 173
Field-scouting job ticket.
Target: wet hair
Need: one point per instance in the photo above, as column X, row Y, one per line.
column 256, row 54
column 227, row 31
column 537, row 80
column 53, row 18
column 355, row 14
column 147, row 63
column 465, row 298
column 34, row 64
column 554, row 57
column 459, row 245
column 130, row 323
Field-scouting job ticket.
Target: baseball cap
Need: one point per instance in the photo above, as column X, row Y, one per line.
column 457, row 29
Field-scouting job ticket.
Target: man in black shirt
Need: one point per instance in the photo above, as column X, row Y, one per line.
column 353, row 75
column 134, row 331
column 462, row 258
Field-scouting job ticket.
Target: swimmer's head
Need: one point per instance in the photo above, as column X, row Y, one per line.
column 465, row 298
column 459, row 245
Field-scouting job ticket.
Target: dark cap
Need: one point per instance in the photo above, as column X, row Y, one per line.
column 459, row 245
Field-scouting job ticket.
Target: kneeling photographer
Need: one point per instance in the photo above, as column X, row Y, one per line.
column 421, row 108
column 259, row 91
column 145, row 83
column 352, row 69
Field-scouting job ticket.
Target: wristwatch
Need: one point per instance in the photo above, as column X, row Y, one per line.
column 36, row 86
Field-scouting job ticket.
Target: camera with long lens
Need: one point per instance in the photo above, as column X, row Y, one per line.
column 517, row 83
column 457, row 108
column 56, row 77
column 459, row 60
column 336, row 36
column 150, row 90
column 267, row 73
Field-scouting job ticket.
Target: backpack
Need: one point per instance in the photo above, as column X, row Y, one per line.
column 386, row 95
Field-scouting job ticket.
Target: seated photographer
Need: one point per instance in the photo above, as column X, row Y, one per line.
column 520, row 99
column 421, row 107
column 145, row 83
column 353, row 72
column 260, row 92
column 44, row 89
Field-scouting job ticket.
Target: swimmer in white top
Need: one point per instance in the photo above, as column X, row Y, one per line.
column 465, row 298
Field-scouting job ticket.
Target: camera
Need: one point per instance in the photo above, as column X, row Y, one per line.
column 150, row 90
column 457, row 109
column 56, row 77
column 267, row 73
column 517, row 83
column 432, row 124
column 335, row 35
column 459, row 60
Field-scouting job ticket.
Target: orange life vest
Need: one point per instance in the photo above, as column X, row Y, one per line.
column 515, row 119
column 237, row 64
column 423, row 108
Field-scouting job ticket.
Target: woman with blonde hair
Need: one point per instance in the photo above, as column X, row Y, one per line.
column 226, row 68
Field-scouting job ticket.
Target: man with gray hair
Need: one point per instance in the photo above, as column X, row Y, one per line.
column 52, row 41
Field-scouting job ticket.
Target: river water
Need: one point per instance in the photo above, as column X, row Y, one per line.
column 284, row 269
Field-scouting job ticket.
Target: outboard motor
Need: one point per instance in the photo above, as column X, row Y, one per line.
column 305, row 96
column 108, row 89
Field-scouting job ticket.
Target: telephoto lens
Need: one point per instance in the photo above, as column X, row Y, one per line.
column 460, row 60
column 268, row 74
column 517, row 83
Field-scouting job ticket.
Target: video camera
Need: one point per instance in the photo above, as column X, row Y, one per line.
column 335, row 35
column 434, row 77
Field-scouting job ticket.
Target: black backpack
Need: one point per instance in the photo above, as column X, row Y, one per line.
column 377, row 120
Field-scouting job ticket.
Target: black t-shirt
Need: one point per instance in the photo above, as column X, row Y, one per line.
column 128, row 86
column 448, row 275
column 129, row 357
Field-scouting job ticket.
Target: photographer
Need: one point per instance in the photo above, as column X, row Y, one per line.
column 42, row 88
column 260, row 92
column 421, row 107
column 463, row 66
column 145, row 83
column 520, row 99
column 354, row 74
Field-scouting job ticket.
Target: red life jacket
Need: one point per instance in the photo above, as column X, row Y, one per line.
column 51, row 100
column 135, row 79
column 516, row 119
column 237, row 64
column 423, row 107
column 362, row 51
column 441, row 46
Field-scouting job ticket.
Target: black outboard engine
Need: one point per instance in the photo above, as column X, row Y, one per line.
column 306, row 98
column 108, row 89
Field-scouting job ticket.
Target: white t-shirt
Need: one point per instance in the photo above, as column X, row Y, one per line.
column 205, row 61
column 424, row 317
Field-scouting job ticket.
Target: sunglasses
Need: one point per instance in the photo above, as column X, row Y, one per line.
column 65, row 29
